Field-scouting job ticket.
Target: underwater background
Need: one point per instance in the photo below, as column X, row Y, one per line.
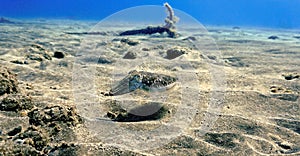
column 95, row 77
column 261, row 13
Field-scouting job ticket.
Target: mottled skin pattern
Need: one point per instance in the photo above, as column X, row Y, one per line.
column 142, row 80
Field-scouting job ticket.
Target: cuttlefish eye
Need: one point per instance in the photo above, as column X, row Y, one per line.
column 135, row 83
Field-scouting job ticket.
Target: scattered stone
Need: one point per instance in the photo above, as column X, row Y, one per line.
column 235, row 62
column 274, row 89
column 59, row 55
column 212, row 57
column 63, row 64
column 16, row 102
column 51, row 114
column 8, row 82
column 38, row 53
column 273, row 37
column 129, row 42
column 15, row 131
column 175, row 52
column 291, row 76
column 145, row 49
column 130, row 55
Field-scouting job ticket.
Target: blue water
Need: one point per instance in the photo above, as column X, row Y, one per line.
column 262, row 13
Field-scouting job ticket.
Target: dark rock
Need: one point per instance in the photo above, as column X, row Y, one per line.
column 273, row 37
column 236, row 62
column 4, row 20
column 15, row 131
column 104, row 61
column 129, row 42
column 38, row 53
column 175, row 52
column 51, row 114
column 18, row 62
column 8, row 82
column 63, row 149
column 59, row 54
column 297, row 37
column 291, row 76
column 236, row 28
column 275, row 89
column 212, row 57
column 130, row 55
column 16, row 102
column 39, row 138
column 63, row 64
column 284, row 145
column 191, row 38
column 145, row 49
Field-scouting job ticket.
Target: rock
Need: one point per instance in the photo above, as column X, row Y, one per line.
column 297, row 37
column 15, row 131
column 145, row 49
column 129, row 42
column 102, row 60
column 212, row 57
column 18, row 62
column 38, row 53
column 273, row 37
column 291, row 76
column 4, row 20
column 64, row 148
column 38, row 137
column 59, row 54
column 8, row 82
column 175, row 52
column 191, row 38
column 16, row 102
column 130, row 55
column 235, row 62
column 51, row 114
column 236, row 28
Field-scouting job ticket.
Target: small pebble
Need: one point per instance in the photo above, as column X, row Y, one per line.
column 59, row 54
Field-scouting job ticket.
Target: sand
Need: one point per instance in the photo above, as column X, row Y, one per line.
column 255, row 79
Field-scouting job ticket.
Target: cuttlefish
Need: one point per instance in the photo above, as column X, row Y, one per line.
column 146, row 81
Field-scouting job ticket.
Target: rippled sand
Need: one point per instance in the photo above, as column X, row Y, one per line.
column 259, row 114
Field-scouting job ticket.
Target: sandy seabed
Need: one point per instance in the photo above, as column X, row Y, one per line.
column 39, row 114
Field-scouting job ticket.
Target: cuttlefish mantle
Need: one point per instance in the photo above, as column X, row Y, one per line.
column 146, row 81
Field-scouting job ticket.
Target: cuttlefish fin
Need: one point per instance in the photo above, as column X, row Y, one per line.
column 121, row 87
